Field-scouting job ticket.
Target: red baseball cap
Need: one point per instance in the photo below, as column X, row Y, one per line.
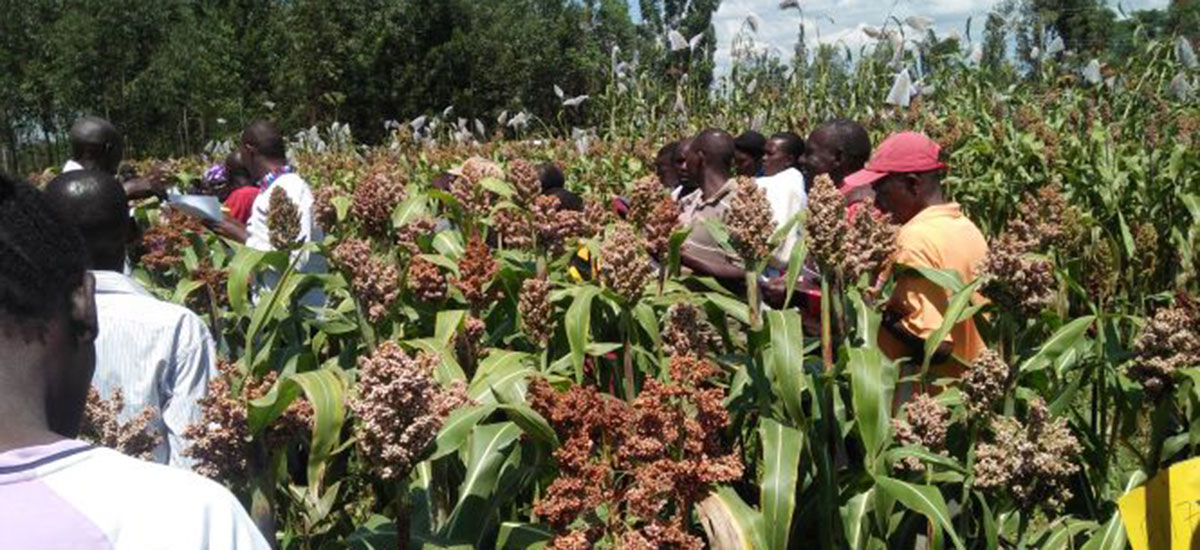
column 902, row 153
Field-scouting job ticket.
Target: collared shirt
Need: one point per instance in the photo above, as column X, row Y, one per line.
column 786, row 194
column 939, row 237
column 69, row 494
column 158, row 354
column 71, row 166
column 695, row 211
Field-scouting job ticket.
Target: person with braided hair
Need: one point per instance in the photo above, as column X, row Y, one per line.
column 57, row 491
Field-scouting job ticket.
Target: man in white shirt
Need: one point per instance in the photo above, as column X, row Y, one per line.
column 55, row 491
column 160, row 355
column 784, row 185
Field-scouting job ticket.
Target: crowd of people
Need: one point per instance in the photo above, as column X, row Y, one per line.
column 71, row 317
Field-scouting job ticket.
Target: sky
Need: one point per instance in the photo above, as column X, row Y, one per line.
column 834, row 21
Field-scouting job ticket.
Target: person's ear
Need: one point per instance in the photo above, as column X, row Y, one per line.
column 912, row 184
column 83, row 310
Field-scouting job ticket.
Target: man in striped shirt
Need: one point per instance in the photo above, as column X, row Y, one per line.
column 159, row 355
column 56, row 491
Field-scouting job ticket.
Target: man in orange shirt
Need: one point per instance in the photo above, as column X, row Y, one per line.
column 906, row 176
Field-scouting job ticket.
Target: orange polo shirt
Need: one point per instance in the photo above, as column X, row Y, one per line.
column 938, row 237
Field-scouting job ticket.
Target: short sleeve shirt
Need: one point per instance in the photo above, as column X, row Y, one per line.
column 695, row 211
column 939, row 237
column 69, row 494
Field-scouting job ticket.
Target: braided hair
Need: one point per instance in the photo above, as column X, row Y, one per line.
column 42, row 258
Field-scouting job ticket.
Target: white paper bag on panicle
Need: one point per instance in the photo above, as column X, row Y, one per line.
column 199, row 206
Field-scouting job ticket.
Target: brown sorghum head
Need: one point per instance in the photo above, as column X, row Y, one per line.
column 646, row 194
column 283, row 220
column 663, row 222
column 408, row 236
column 826, row 225
column 425, row 281
column 476, row 269
column 220, row 440
column 624, row 266
column 1014, row 277
column 749, row 221
column 985, row 384
column 523, row 176
column 926, row 424
column 1101, row 272
column 686, row 331
column 1170, row 341
column 375, row 197
column 869, row 244
column 514, row 227
column 165, row 241
column 537, row 314
column 101, row 426
column 324, row 211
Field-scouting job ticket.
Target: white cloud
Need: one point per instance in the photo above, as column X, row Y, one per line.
column 840, row 21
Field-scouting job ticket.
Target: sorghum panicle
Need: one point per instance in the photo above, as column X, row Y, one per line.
column 869, row 244
column 537, row 314
column 1033, row 462
column 164, row 243
column 1170, row 341
column 663, row 222
column 283, row 220
column 375, row 197
column 101, row 426
column 624, row 266
column 926, row 424
column 985, row 384
column 646, row 194
column 826, row 225
column 523, row 175
column 476, row 269
column 408, row 236
column 400, row 408
column 686, row 331
column 515, row 229
column 324, row 211
column 1101, row 273
column 749, row 221
column 426, row 281
column 1014, row 277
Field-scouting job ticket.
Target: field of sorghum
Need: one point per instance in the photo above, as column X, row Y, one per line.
column 461, row 389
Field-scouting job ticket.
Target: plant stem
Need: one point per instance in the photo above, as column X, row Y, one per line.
column 262, row 506
column 826, row 334
column 752, row 300
column 627, row 359
column 401, row 512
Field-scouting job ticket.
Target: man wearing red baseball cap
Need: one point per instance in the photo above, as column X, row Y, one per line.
column 906, row 175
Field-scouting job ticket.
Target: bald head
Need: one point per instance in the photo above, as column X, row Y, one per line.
column 839, row 148
column 96, row 144
column 95, row 203
column 715, row 150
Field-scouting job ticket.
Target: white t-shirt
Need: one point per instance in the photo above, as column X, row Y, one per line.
column 69, row 494
column 786, row 194
column 71, row 166
column 259, row 238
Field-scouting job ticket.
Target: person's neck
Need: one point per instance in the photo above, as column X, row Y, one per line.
column 23, row 411
column 713, row 182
